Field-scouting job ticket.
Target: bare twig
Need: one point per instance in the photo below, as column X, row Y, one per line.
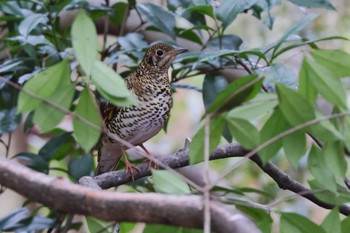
column 206, row 178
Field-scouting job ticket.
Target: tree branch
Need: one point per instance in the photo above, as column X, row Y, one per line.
column 61, row 194
column 180, row 159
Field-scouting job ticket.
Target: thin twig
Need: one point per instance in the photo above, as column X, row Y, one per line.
column 206, row 176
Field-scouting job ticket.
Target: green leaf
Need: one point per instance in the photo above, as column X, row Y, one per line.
column 155, row 228
column 346, row 131
column 335, row 158
column 292, row 30
column 328, row 86
column 345, row 224
column 228, row 10
column 95, row 225
column 212, row 85
column 119, row 12
column 320, row 170
column 30, row 22
column 255, row 108
column 294, row 146
column 80, row 166
column 48, row 116
column 34, row 161
column 306, row 87
column 44, row 84
column 314, row 4
column 261, row 218
column 331, row 224
column 278, row 73
column 275, row 125
column 294, row 107
column 196, row 152
column 84, row 40
column 236, row 93
column 159, row 18
column 290, row 222
column 335, row 61
column 111, row 85
column 169, row 183
column 87, row 135
column 244, row 132
column 57, row 147
column 202, row 9
column 9, row 120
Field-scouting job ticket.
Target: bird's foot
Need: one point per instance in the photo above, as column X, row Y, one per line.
column 129, row 168
column 151, row 163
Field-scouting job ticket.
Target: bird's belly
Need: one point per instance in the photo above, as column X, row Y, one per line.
column 149, row 120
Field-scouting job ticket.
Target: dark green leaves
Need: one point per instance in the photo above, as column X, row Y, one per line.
column 80, row 166
column 158, row 17
column 8, row 120
column 228, row 10
column 87, row 127
column 84, row 41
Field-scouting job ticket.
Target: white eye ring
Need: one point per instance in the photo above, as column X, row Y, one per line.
column 159, row 52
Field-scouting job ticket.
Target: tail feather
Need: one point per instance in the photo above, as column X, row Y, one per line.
column 109, row 155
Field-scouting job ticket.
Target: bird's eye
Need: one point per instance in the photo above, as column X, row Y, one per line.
column 159, row 53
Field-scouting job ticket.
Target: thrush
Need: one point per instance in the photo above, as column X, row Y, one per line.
column 140, row 122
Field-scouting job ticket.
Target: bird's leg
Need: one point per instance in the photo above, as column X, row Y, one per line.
column 129, row 166
column 150, row 158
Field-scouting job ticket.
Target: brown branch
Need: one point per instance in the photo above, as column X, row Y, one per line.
column 64, row 196
column 180, row 159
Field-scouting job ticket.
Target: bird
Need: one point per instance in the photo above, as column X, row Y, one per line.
column 138, row 123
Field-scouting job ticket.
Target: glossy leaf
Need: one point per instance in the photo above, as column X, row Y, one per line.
column 212, row 86
column 275, row 125
column 158, row 17
column 9, row 120
column 279, row 73
column 244, row 132
column 335, row 61
column 196, row 152
column 80, row 166
column 57, row 147
column 228, row 10
column 261, row 218
column 233, row 42
column 236, row 93
column 34, row 161
column 111, row 85
column 119, row 12
column 30, row 22
column 294, row 146
column 44, row 84
column 166, row 182
column 331, row 224
column 95, row 225
column 314, row 4
column 84, row 40
column 290, row 222
column 12, row 220
column 202, row 9
column 320, row 169
column 328, row 86
column 87, row 135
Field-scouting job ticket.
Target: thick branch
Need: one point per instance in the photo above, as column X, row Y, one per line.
column 70, row 198
column 180, row 159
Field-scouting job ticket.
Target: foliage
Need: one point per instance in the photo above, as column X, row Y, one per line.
column 58, row 72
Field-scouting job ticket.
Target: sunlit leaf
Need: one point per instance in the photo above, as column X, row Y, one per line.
column 84, row 40
column 87, row 134
column 166, row 182
column 314, row 4
column 30, row 22
column 331, row 224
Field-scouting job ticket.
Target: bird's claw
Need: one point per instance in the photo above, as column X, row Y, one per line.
column 129, row 168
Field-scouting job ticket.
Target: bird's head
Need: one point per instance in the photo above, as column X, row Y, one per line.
column 160, row 56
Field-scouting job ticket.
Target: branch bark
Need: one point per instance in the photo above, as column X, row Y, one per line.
column 180, row 159
column 61, row 194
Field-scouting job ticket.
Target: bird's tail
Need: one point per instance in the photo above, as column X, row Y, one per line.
column 109, row 155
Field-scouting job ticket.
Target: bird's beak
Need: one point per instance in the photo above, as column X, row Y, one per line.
column 178, row 50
